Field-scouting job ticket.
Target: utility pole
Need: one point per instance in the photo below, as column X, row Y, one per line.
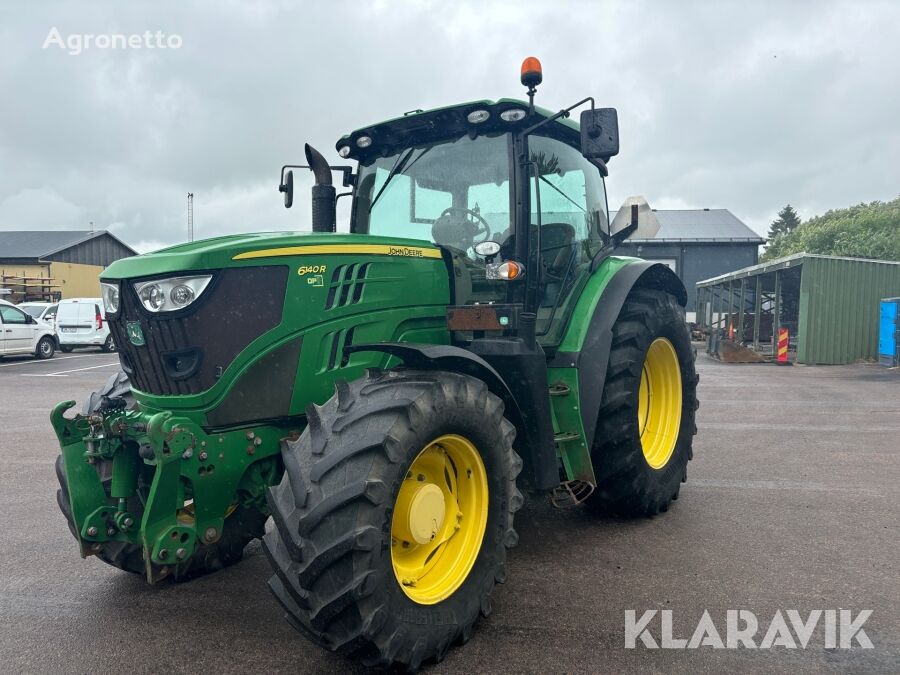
column 190, row 216
column 92, row 226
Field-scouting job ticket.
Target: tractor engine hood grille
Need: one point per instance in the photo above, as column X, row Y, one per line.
column 186, row 351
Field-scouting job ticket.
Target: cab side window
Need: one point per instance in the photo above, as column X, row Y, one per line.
column 573, row 223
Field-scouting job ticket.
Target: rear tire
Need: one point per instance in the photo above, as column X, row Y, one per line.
column 46, row 348
column 109, row 345
column 335, row 547
column 242, row 526
column 636, row 474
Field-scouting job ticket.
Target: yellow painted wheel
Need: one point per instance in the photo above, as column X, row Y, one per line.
column 659, row 403
column 439, row 519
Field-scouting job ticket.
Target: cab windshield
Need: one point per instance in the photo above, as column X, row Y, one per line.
column 453, row 193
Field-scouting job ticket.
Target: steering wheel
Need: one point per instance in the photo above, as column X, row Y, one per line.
column 464, row 231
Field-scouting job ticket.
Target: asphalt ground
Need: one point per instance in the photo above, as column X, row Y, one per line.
column 792, row 502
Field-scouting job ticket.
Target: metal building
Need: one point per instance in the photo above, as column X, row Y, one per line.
column 829, row 304
column 697, row 244
column 54, row 264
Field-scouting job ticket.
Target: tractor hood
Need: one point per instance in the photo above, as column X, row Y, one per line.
column 261, row 248
column 277, row 305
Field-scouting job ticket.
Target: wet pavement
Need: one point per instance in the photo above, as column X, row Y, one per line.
column 791, row 503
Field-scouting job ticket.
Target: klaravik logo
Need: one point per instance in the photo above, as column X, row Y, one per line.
column 135, row 333
column 835, row 629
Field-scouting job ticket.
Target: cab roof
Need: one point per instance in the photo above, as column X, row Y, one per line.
column 423, row 126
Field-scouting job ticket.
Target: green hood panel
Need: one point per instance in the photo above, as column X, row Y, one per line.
column 210, row 254
column 333, row 290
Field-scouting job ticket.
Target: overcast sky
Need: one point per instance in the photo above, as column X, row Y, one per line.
column 745, row 106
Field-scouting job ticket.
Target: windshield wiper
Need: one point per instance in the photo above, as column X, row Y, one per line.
column 583, row 210
column 398, row 167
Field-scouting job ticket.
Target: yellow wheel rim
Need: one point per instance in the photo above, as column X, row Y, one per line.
column 439, row 520
column 659, row 403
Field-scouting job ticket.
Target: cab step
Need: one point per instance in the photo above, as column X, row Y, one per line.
column 571, row 493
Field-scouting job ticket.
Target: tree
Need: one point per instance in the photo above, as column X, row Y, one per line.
column 863, row 231
column 787, row 222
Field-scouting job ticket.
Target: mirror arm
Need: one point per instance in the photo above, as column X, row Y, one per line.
column 600, row 164
column 348, row 179
column 562, row 113
column 616, row 239
column 342, row 194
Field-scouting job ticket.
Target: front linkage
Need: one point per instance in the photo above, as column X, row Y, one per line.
column 154, row 493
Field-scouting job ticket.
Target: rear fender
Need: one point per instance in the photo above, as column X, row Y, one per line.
column 592, row 355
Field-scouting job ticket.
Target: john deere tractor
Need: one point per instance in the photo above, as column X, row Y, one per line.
column 387, row 394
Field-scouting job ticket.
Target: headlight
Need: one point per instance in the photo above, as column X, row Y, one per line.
column 110, row 293
column 167, row 295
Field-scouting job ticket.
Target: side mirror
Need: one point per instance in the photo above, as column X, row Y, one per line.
column 30, row 319
column 287, row 187
column 599, row 133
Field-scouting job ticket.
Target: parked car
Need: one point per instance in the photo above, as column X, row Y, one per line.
column 81, row 322
column 21, row 333
column 42, row 311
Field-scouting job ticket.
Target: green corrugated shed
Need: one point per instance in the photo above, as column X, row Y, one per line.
column 837, row 311
column 839, row 304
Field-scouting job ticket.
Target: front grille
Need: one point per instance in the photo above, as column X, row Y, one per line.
column 263, row 391
column 186, row 352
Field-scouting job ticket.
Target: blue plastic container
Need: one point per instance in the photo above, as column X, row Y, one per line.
column 889, row 333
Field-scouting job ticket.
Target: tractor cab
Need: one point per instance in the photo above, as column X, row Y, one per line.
column 513, row 195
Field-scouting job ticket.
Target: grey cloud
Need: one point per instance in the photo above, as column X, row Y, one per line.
column 720, row 104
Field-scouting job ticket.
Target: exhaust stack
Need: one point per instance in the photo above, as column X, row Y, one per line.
column 323, row 192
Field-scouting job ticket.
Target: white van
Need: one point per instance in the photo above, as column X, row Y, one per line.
column 21, row 333
column 42, row 311
column 81, row 322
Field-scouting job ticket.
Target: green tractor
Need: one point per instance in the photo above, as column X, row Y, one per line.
column 387, row 395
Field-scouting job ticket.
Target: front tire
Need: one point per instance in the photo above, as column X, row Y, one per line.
column 65, row 349
column 646, row 425
column 108, row 345
column 394, row 515
column 46, row 348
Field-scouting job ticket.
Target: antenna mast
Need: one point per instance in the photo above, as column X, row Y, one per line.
column 190, row 223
